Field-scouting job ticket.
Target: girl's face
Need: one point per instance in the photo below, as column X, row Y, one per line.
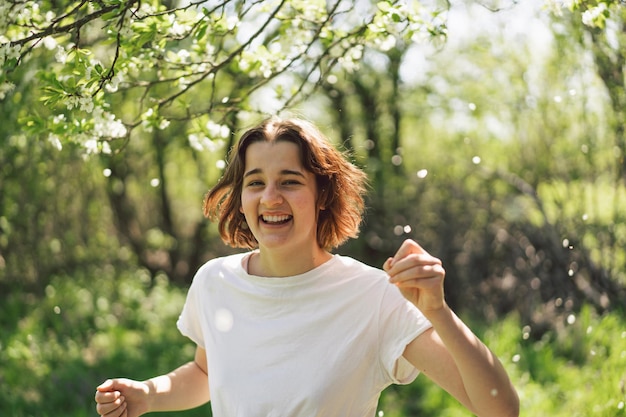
column 279, row 198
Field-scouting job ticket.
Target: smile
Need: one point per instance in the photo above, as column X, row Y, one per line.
column 276, row 219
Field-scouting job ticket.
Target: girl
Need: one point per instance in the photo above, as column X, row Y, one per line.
column 288, row 328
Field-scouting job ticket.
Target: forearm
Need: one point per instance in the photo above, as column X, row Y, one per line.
column 184, row 388
column 486, row 383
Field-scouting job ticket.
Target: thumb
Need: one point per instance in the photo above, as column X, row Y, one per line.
column 408, row 247
column 108, row 385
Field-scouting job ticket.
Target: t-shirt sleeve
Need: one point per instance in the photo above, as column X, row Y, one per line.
column 189, row 322
column 401, row 322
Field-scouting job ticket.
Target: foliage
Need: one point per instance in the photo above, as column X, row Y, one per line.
column 192, row 64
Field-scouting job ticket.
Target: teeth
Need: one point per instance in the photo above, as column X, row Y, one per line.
column 275, row 219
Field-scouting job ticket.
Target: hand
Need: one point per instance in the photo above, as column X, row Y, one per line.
column 122, row 398
column 418, row 275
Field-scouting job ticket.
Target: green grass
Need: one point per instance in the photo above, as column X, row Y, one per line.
column 55, row 349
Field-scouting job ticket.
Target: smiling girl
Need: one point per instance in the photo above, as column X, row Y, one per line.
column 290, row 329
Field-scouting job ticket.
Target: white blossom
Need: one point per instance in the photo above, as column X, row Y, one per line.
column 106, row 148
column 113, row 85
column 71, row 102
column 50, row 43
column 5, row 88
column 386, row 43
column 91, row 146
column 592, row 16
column 50, row 16
column 217, row 131
column 203, row 143
column 232, row 22
column 163, row 124
column 106, row 124
column 9, row 52
column 176, row 28
column 195, row 142
column 61, row 55
column 55, row 141
column 183, row 55
column 146, row 119
column 350, row 60
column 86, row 104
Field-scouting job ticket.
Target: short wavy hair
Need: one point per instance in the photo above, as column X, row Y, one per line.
column 341, row 185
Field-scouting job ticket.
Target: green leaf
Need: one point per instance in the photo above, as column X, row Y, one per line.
column 201, row 30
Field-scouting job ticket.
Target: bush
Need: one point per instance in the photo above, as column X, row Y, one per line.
column 57, row 349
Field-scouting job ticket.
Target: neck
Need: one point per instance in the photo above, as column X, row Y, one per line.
column 267, row 263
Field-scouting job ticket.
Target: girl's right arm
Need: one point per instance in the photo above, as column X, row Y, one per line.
column 184, row 388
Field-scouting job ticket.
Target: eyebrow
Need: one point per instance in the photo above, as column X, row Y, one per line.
column 283, row 172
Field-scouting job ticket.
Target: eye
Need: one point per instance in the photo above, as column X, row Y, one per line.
column 254, row 183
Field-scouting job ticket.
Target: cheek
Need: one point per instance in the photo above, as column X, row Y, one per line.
column 244, row 203
column 307, row 204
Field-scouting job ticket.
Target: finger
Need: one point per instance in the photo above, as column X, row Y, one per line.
column 416, row 259
column 107, row 397
column 121, row 411
column 416, row 272
column 112, row 409
column 422, row 283
column 413, row 263
column 387, row 264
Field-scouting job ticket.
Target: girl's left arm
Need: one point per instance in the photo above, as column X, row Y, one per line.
column 449, row 353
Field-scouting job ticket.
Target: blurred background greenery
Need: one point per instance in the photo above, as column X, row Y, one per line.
column 500, row 150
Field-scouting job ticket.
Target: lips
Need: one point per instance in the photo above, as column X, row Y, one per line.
column 276, row 219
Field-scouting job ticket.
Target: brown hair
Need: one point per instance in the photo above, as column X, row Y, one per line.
column 340, row 185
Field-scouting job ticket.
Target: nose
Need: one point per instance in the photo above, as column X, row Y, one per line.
column 271, row 196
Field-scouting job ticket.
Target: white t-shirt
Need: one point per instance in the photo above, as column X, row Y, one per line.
column 323, row 343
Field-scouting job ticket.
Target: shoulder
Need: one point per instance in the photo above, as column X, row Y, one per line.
column 376, row 279
column 357, row 266
column 220, row 265
column 359, row 273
